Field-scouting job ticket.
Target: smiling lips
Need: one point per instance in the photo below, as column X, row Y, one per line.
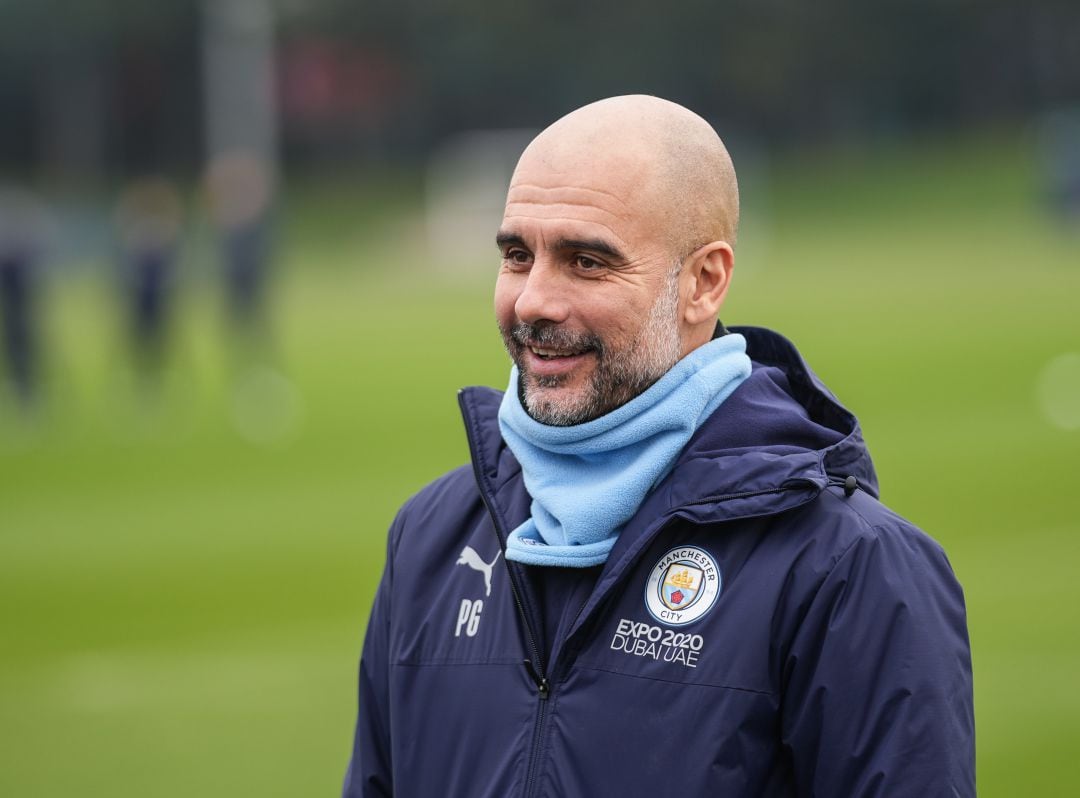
column 545, row 362
column 547, row 351
column 550, row 353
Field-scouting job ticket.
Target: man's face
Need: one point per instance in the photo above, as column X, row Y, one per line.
column 587, row 297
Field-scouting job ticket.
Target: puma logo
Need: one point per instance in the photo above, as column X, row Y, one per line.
column 470, row 558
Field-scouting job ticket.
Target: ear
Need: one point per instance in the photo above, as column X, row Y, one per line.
column 709, row 272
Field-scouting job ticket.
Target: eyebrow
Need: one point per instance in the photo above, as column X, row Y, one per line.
column 597, row 245
column 508, row 239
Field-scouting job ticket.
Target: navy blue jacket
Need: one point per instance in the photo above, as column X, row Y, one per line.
column 764, row 626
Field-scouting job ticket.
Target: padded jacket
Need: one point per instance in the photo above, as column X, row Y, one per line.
column 764, row 626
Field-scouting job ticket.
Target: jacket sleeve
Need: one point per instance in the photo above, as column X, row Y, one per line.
column 877, row 681
column 369, row 774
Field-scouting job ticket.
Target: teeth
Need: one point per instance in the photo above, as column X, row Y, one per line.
column 549, row 352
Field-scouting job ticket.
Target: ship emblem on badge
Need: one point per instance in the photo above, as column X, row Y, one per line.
column 682, row 586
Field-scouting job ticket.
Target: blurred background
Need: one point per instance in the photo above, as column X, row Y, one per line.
column 246, row 259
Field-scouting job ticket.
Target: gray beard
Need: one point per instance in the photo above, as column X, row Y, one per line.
column 619, row 376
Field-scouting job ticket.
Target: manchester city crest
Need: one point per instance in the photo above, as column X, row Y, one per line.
column 682, row 586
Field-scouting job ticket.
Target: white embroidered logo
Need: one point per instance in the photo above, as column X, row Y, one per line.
column 468, row 617
column 470, row 558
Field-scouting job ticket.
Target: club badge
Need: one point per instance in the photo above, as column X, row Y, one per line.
column 682, row 586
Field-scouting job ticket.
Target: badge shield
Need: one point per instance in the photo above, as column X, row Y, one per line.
column 681, row 586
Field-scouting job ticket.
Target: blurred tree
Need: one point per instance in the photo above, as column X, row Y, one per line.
column 390, row 78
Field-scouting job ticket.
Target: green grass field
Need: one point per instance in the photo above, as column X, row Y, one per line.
column 182, row 609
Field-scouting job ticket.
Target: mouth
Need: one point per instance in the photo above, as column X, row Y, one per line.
column 546, row 353
column 550, row 366
column 544, row 362
column 549, row 355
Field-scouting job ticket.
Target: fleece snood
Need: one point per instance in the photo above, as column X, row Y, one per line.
column 586, row 481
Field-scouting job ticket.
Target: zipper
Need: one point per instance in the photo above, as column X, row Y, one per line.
column 533, row 663
column 544, row 691
column 797, row 484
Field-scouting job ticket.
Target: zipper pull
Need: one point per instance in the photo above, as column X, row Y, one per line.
column 542, row 686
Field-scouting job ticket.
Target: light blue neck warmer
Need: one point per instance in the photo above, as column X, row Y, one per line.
column 586, row 481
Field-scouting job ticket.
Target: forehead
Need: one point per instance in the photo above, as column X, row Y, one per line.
column 604, row 195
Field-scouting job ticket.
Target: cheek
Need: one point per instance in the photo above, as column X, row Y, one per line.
column 620, row 321
column 505, row 299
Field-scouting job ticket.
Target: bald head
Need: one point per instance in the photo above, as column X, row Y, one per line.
column 665, row 162
column 616, row 244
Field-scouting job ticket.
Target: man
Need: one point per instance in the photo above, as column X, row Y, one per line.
column 666, row 571
column 149, row 221
column 22, row 222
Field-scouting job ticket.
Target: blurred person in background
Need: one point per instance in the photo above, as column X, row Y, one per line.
column 666, row 570
column 149, row 218
column 240, row 192
column 21, row 247
column 1059, row 152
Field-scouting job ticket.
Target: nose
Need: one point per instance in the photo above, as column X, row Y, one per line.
column 544, row 296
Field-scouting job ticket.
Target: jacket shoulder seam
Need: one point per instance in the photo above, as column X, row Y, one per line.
column 874, row 529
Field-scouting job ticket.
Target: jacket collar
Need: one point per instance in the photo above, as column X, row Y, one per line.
column 780, row 431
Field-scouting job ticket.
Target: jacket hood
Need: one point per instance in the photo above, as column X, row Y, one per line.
column 775, row 443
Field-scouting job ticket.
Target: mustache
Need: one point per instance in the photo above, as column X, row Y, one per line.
column 547, row 336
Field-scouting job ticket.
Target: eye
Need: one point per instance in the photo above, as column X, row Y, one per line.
column 587, row 264
column 517, row 257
